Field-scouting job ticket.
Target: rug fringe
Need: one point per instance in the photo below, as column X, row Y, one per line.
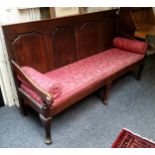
column 139, row 135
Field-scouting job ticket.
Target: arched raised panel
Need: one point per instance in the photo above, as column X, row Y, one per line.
column 108, row 32
column 30, row 49
column 88, row 39
column 64, row 45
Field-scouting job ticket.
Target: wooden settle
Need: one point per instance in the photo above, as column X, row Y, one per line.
column 49, row 44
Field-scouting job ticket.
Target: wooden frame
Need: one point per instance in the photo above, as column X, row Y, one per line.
column 44, row 110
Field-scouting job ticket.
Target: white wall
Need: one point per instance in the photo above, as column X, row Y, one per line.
column 17, row 15
column 6, row 78
column 95, row 9
column 31, row 14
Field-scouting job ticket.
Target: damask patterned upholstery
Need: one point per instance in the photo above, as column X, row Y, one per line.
column 130, row 45
column 30, row 92
column 77, row 76
column 46, row 83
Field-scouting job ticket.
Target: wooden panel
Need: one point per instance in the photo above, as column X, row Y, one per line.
column 107, row 35
column 30, row 49
column 143, row 15
column 150, row 16
column 64, row 46
column 88, row 39
column 126, row 23
column 49, row 44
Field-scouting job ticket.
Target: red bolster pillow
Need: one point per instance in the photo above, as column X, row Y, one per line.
column 44, row 82
column 130, row 45
column 33, row 94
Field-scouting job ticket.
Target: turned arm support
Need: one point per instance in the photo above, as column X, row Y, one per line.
column 42, row 93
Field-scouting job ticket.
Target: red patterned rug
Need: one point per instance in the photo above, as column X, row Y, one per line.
column 127, row 139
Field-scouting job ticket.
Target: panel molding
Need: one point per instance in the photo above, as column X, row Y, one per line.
column 31, row 46
column 88, row 39
column 64, row 45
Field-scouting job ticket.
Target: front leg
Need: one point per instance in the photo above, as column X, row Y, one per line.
column 104, row 93
column 47, row 126
column 23, row 106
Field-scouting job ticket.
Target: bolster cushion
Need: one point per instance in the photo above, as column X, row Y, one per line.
column 49, row 85
column 134, row 46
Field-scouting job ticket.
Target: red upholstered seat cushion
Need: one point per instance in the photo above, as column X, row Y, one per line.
column 30, row 92
column 130, row 45
column 48, row 84
column 81, row 74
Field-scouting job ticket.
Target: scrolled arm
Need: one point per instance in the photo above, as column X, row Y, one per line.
column 46, row 97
